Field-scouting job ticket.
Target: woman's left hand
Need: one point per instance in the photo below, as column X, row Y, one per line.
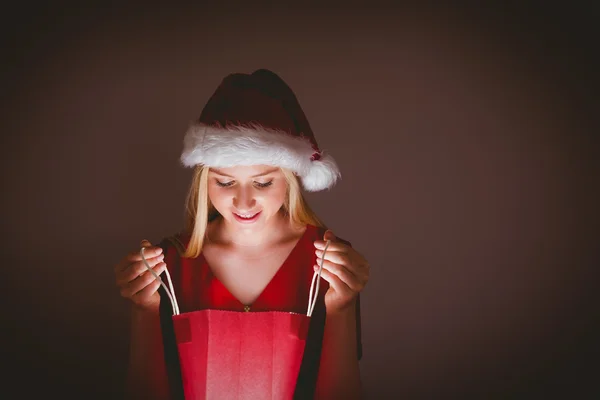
column 346, row 271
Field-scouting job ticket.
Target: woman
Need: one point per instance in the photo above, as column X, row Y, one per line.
column 251, row 244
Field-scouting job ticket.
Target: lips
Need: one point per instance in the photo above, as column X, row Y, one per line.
column 246, row 217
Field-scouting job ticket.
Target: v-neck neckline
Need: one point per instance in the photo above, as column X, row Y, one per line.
column 281, row 268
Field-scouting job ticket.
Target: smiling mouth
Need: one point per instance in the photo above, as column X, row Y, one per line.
column 246, row 217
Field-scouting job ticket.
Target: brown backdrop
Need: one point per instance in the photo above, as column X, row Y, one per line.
column 464, row 139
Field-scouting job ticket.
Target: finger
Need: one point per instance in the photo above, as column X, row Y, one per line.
column 337, row 257
column 346, row 276
column 135, row 256
column 142, row 281
column 149, row 251
column 146, row 292
column 335, row 282
column 333, row 246
column 329, row 236
column 359, row 267
column 133, row 287
column 136, row 269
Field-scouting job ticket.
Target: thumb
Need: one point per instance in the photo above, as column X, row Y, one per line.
column 329, row 235
column 145, row 243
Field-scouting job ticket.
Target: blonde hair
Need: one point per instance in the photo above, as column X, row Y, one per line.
column 199, row 211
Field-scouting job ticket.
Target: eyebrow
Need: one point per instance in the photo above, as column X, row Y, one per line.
column 216, row 171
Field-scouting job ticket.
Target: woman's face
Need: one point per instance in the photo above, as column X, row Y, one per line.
column 247, row 197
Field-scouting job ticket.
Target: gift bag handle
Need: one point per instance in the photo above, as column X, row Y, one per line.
column 169, row 290
column 312, row 298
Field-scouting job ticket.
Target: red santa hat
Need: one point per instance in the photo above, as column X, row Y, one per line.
column 255, row 119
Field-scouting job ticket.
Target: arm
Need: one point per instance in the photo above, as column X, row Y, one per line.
column 146, row 372
column 146, row 375
column 339, row 373
column 347, row 272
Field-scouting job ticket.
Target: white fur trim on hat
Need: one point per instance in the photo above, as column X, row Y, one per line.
column 256, row 145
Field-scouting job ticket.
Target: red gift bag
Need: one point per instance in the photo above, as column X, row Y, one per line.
column 240, row 355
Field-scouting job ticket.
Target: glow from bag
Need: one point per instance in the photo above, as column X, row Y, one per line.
column 312, row 299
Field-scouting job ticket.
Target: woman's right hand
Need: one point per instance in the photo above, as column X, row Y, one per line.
column 134, row 280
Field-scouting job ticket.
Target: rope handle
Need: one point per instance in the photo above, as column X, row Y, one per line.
column 312, row 300
column 169, row 290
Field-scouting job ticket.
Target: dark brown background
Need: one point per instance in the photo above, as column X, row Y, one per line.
column 465, row 141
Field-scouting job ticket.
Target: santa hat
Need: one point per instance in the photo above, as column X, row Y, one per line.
column 255, row 119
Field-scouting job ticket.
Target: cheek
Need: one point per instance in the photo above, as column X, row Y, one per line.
column 276, row 198
column 217, row 198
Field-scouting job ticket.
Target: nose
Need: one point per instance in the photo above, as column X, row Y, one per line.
column 244, row 199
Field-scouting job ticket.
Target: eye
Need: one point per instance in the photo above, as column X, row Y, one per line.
column 225, row 184
column 264, row 185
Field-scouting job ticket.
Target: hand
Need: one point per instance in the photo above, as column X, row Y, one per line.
column 346, row 271
column 134, row 280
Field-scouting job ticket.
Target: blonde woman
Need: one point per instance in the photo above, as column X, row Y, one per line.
column 256, row 299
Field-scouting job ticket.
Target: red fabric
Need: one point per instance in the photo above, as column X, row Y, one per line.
column 261, row 98
column 287, row 291
column 229, row 353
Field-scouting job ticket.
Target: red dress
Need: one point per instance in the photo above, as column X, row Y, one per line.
column 196, row 288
